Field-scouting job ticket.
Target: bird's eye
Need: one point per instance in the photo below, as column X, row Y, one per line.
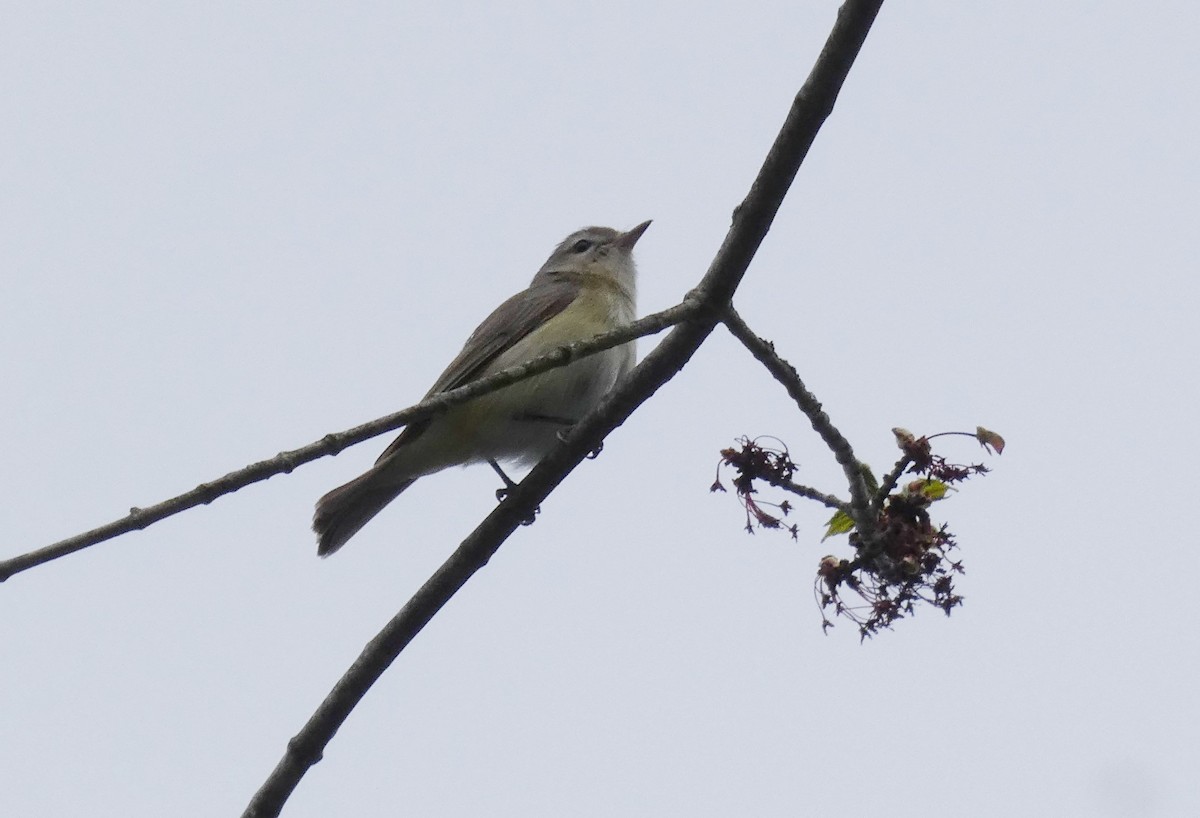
column 581, row 246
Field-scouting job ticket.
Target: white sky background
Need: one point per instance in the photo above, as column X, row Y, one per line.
column 228, row 230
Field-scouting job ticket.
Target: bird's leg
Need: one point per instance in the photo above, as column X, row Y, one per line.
column 509, row 485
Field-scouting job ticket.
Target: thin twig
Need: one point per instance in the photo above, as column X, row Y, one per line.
column 828, row 500
column 332, row 444
column 889, row 482
column 782, row 371
column 750, row 224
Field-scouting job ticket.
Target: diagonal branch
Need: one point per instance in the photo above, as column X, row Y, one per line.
column 751, row 221
column 307, row 747
column 332, row 444
column 889, row 482
column 785, row 373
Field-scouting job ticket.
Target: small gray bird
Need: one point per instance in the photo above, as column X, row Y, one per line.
column 586, row 287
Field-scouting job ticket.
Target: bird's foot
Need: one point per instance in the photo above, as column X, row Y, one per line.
column 509, row 485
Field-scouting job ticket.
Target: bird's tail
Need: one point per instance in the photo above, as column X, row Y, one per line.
column 346, row 509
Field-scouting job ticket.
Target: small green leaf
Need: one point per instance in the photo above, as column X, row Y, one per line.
column 931, row 490
column 935, row 489
column 839, row 523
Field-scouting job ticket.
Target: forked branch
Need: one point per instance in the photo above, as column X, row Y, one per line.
column 752, row 219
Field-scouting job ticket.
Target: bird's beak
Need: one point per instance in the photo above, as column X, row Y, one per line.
column 629, row 238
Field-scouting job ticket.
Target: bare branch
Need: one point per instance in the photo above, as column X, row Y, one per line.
column 889, row 482
column 332, row 444
column 811, row 107
column 751, row 222
column 782, row 371
column 827, row 500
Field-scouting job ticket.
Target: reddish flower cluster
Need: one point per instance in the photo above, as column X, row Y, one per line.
column 904, row 562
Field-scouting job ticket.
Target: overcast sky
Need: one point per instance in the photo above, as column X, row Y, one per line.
column 227, row 229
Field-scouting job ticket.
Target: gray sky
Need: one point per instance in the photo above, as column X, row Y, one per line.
column 227, row 230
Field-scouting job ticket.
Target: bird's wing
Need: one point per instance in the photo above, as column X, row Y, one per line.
column 509, row 323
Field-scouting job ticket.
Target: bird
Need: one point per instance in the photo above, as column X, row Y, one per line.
column 587, row 286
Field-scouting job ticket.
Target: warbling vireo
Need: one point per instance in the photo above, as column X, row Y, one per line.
column 586, row 287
